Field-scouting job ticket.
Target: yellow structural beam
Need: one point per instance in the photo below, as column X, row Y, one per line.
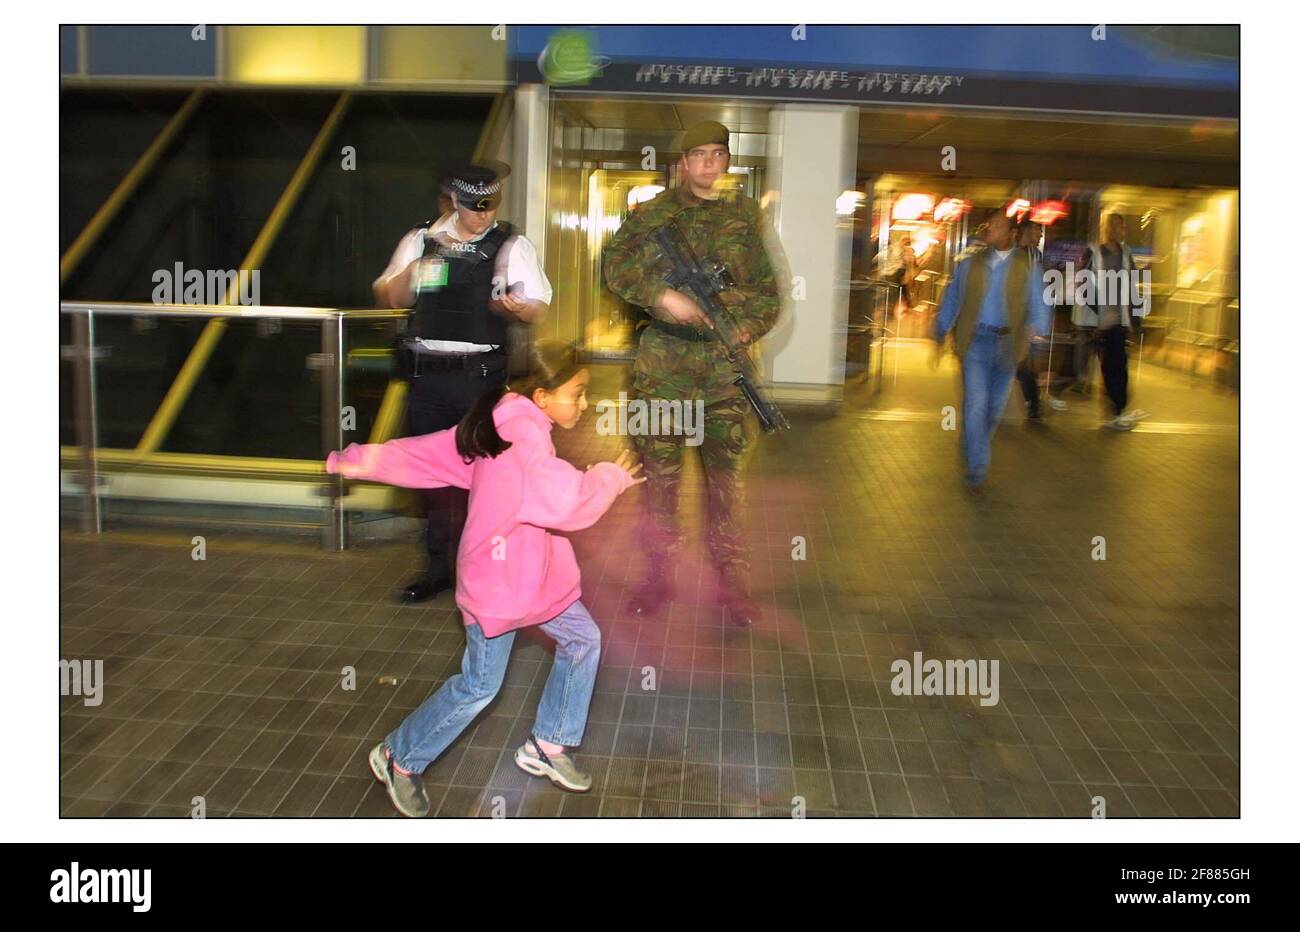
column 91, row 232
column 388, row 421
column 494, row 126
column 180, row 389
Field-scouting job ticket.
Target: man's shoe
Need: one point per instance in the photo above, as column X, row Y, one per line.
column 422, row 590
column 1056, row 404
column 558, row 768
column 1122, row 422
column 1136, row 414
column 405, row 790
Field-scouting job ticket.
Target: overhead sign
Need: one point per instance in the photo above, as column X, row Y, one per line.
column 1067, row 68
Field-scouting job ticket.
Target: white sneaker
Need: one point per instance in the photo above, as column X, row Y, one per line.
column 1136, row 414
column 560, row 768
column 1123, row 422
column 1056, row 404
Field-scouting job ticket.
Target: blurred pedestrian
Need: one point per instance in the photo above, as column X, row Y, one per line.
column 1030, row 235
column 993, row 306
column 1115, row 309
column 903, row 270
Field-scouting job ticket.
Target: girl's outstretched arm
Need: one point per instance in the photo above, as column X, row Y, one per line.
column 427, row 462
column 561, row 497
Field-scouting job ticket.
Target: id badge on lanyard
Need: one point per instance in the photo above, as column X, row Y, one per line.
column 433, row 274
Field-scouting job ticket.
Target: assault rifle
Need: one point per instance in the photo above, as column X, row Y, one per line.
column 705, row 283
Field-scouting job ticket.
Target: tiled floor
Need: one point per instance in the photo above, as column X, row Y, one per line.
column 1118, row 678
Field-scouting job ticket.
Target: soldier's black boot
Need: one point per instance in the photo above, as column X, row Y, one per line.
column 654, row 591
column 741, row 609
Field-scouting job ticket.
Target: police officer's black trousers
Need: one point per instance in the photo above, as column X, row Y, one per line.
column 436, row 400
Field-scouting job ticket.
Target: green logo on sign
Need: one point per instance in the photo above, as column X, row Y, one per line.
column 570, row 57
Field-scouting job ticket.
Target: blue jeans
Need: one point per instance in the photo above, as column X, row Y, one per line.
column 561, row 715
column 987, row 370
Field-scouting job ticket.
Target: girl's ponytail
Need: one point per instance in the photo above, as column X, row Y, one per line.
column 551, row 363
column 476, row 434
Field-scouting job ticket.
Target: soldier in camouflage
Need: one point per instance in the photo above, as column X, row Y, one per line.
column 678, row 360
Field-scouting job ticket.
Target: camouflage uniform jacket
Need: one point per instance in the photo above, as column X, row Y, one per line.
column 729, row 230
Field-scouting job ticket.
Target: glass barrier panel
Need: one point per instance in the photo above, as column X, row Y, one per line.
column 259, row 393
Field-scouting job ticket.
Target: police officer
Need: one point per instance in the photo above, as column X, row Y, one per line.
column 467, row 275
column 678, row 360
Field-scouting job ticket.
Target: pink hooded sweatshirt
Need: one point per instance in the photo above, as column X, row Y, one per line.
column 511, row 570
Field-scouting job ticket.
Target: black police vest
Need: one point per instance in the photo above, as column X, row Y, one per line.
column 459, row 310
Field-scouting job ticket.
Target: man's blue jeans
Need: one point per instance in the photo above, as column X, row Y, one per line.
column 561, row 715
column 987, row 370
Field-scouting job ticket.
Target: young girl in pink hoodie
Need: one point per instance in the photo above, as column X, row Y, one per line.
column 512, row 571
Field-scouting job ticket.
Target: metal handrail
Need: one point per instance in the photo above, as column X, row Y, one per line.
column 253, row 311
column 331, row 361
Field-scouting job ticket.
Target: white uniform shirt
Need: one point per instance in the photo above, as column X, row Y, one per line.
column 521, row 265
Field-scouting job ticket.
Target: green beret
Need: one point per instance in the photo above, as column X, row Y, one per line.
column 705, row 133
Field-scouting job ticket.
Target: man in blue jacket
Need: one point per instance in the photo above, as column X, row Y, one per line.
column 994, row 305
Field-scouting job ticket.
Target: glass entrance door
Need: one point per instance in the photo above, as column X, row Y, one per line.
column 612, row 195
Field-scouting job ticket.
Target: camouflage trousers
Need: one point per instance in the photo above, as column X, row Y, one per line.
column 728, row 432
